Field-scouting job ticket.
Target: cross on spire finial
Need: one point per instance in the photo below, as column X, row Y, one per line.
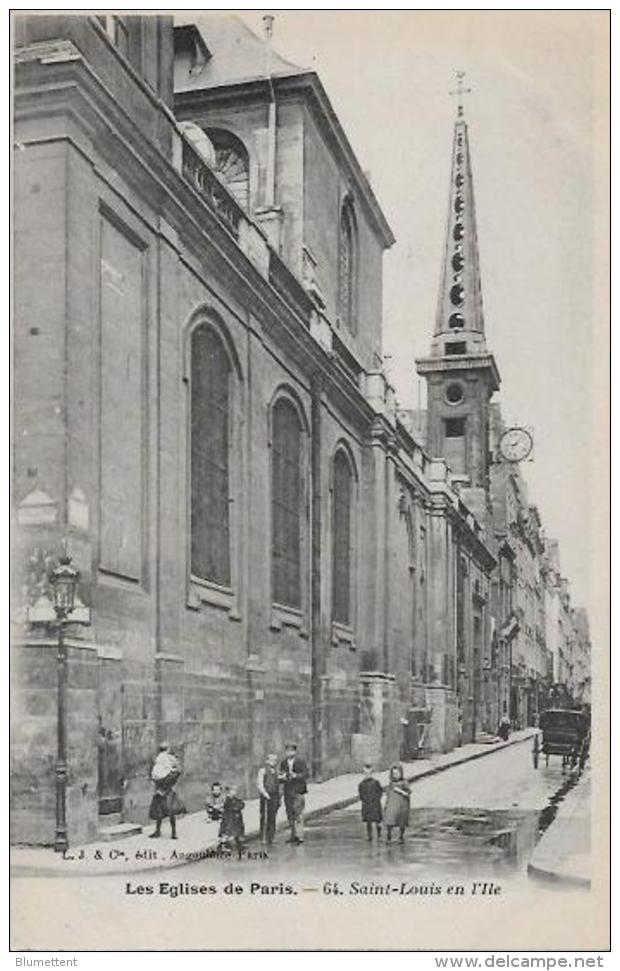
column 459, row 92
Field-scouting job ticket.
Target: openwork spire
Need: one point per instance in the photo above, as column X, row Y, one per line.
column 459, row 311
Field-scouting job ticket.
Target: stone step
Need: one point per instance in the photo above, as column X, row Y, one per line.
column 109, row 819
column 485, row 738
column 118, row 831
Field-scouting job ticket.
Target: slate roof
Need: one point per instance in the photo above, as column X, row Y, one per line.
column 238, row 54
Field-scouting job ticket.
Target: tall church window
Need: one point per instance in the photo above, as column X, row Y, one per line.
column 231, row 164
column 286, row 503
column 341, row 539
column 210, row 439
column 347, row 268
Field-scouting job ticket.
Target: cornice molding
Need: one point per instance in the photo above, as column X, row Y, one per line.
column 70, row 88
column 468, row 362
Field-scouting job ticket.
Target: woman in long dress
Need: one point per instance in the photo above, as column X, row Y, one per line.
column 397, row 803
column 165, row 802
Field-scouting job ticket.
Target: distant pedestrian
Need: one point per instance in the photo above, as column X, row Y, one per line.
column 268, row 785
column 232, row 827
column 215, row 803
column 397, row 803
column 370, row 793
column 165, row 802
column 294, row 778
column 504, row 726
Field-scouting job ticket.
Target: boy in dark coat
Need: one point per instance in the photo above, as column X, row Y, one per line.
column 294, row 779
column 370, row 793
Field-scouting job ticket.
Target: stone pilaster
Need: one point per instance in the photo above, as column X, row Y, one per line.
column 33, row 740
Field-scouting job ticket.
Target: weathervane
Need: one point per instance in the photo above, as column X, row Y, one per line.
column 460, row 91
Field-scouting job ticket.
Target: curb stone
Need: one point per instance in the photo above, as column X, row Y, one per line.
column 67, row 869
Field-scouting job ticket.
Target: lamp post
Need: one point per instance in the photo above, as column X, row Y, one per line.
column 63, row 579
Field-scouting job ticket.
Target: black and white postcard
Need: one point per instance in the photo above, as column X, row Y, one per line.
column 309, row 623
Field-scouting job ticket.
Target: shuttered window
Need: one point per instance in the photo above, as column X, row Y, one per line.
column 286, row 505
column 210, row 425
column 347, row 269
column 341, row 545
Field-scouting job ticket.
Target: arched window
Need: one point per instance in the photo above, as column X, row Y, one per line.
column 232, row 164
column 342, row 506
column 347, row 268
column 210, row 440
column 286, row 500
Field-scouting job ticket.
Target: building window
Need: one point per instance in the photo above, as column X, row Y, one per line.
column 460, row 609
column 231, row 164
column 347, row 268
column 341, row 540
column 210, row 449
column 286, row 500
column 454, row 446
column 455, row 427
column 454, row 393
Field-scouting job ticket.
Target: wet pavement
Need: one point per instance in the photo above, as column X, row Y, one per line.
column 476, row 822
column 480, row 819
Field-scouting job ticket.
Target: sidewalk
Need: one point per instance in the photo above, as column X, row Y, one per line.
column 198, row 838
column 563, row 854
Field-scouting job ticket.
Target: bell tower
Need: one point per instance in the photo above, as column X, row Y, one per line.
column 460, row 371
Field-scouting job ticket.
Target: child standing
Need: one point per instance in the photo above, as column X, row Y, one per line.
column 232, row 827
column 397, row 803
column 215, row 803
column 370, row 793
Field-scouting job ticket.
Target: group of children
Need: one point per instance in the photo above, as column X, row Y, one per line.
column 395, row 814
column 226, row 807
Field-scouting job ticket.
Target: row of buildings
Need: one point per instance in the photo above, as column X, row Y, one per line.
column 268, row 547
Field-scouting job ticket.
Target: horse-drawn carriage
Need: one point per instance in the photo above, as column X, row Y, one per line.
column 564, row 732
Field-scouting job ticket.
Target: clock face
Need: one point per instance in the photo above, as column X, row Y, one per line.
column 515, row 444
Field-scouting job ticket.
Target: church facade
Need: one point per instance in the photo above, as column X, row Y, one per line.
column 266, row 550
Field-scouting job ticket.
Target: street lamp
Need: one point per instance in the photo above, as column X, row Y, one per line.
column 63, row 580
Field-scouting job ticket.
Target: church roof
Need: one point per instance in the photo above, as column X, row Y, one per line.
column 237, row 53
column 236, row 58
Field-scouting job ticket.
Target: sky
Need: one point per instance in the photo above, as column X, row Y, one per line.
column 537, row 117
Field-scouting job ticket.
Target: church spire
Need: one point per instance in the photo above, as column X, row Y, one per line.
column 460, row 372
column 459, row 310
